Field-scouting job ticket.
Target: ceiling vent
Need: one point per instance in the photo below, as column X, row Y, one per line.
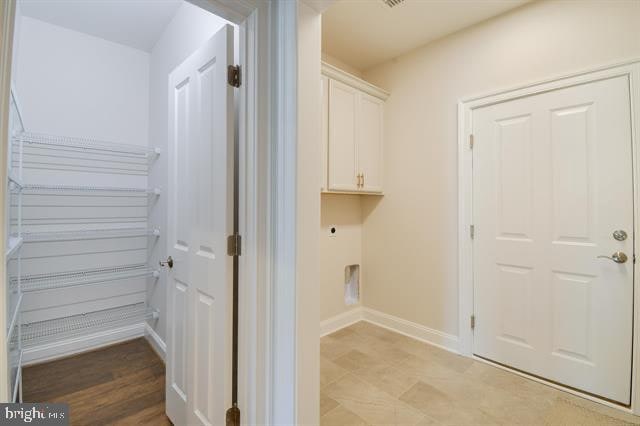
column 392, row 3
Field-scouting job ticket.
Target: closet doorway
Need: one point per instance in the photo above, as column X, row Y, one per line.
column 92, row 167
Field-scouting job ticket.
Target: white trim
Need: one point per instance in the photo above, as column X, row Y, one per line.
column 156, row 342
column 342, row 76
column 76, row 345
column 630, row 69
column 340, row 321
column 416, row 331
column 281, row 385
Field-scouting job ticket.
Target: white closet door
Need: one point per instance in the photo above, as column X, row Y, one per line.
column 552, row 179
column 200, row 218
column 343, row 106
column 370, row 122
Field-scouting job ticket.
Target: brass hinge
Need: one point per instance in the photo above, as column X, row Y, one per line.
column 233, row 416
column 234, row 245
column 233, row 75
column 473, row 322
column 472, row 231
column 471, row 141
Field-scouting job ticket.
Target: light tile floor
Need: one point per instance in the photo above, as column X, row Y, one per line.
column 372, row 376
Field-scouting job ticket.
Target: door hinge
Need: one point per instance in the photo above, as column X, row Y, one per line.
column 233, row 416
column 471, row 141
column 473, row 322
column 233, row 75
column 234, row 245
column 472, row 231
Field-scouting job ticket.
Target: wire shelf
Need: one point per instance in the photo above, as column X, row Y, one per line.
column 15, row 180
column 88, row 234
column 37, row 333
column 14, row 244
column 39, row 282
column 43, row 188
column 85, row 144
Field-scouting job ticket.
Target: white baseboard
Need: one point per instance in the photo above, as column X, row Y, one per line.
column 76, row 345
column 345, row 319
column 411, row 329
column 156, row 342
column 416, row 331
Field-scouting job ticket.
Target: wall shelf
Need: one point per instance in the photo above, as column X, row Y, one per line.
column 96, row 145
column 13, row 245
column 101, row 190
column 41, row 282
column 14, row 318
column 42, row 332
column 17, row 380
column 89, row 234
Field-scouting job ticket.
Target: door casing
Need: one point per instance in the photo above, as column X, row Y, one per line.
column 629, row 69
column 267, row 55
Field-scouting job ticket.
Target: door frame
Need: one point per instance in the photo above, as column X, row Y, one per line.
column 267, row 119
column 629, row 69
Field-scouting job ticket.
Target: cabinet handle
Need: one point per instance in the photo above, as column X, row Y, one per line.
column 358, row 182
column 363, row 179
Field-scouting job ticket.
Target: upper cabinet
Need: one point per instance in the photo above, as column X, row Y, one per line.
column 352, row 133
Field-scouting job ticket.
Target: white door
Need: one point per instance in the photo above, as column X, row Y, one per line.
column 343, row 106
column 370, row 136
column 198, row 377
column 552, row 182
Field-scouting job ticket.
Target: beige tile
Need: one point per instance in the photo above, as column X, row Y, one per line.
column 326, row 404
column 371, row 404
column 340, row 416
column 373, row 376
column 329, row 372
column 354, row 360
column 378, row 333
column 387, row 378
column 332, row 347
column 565, row 413
column 445, row 409
column 426, row 369
column 388, row 353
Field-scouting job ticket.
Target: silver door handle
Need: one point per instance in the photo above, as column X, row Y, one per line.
column 618, row 257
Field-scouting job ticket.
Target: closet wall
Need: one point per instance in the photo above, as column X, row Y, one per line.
column 72, row 84
column 190, row 27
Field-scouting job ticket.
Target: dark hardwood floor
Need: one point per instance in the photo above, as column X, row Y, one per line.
column 121, row 384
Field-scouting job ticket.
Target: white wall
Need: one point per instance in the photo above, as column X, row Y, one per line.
column 74, row 84
column 344, row 248
column 332, row 60
column 189, row 29
column 410, row 234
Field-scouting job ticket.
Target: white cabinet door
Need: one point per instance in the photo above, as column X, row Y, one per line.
column 552, row 182
column 370, row 122
column 324, row 90
column 200, row 218
column 343, row 112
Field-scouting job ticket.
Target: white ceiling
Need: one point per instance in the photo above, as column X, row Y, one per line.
column 364, row 33
column 134, row 23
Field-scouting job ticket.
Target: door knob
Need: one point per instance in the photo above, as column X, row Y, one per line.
column 168, row 262
column 618, row 257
